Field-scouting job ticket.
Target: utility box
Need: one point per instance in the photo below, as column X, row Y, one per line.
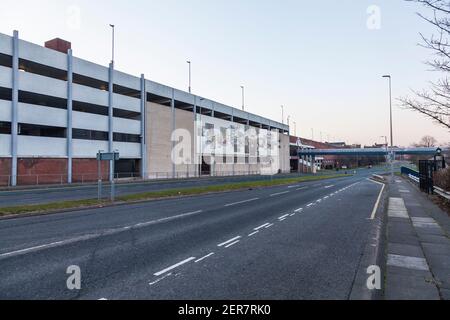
column 58, row 44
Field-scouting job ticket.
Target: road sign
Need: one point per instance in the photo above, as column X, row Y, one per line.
column 111, row 157
column 108, row 156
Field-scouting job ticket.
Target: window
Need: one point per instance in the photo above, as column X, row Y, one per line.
column 5, row 127
column 84, row 134
column 89, row 108
column 90, row 82
column 42, row 70
column 26, row 129
column 133, row 93
column 42, row 100
column 125, row 137
column 126, row 114
column 5, row 60
column 5, row 94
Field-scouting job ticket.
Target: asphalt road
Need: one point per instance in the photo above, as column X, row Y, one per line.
column 301, row 241
column 44, row 195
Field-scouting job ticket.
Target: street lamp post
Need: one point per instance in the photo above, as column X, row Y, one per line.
column 243, row 97
column 288, row 118
column 189, row 63
column 390, row 117
column 295, row 128
column 113, row 39
column 282, row 114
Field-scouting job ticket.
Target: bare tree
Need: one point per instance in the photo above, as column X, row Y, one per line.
column 435, row 102
column 427, row 141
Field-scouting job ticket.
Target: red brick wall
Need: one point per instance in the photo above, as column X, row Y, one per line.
column 5, row 171
column 31, row 171
column 84, row 170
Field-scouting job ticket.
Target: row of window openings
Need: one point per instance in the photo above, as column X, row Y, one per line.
column 40, row 69
column 60, row 103
column 55, row 73
column 26, row 129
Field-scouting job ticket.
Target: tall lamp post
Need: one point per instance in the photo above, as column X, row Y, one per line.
column 282, row 114
column 113, row 39
column 189, row 63
column 243, row 97
column 390, row 117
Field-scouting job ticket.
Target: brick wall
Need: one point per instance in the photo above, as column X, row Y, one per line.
column 31, row 171
column 5, row 171
column 86, row 170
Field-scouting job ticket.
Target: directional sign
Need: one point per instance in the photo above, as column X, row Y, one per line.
column 108, row 156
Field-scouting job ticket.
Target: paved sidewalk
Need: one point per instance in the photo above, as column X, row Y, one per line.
column 418, row 246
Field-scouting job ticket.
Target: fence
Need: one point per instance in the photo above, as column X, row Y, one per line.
column 92, row 177
column 439, row 191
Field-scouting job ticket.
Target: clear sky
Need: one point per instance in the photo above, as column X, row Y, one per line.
column 317, row 58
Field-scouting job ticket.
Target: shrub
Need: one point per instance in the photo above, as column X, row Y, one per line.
column 442, row 179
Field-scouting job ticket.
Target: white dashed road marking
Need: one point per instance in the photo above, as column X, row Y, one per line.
column 174, row 266
column 253, row 233
column 240, row 202
column 159, row 279
column 279, row 193
column 228, row 241
column 203, row 258
column 262, row 226
column 231, row 244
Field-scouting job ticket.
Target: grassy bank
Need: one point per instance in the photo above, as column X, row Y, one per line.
column 76, row 204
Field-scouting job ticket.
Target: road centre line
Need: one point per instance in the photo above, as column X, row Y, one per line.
column 262, row 226
column 95, row 235
column 228, row 241
column 279, row 193
column 328, row 187
column 253, row 233
column 298, row 210
column 302, row 188
column 160, row 279
column 232, row 244
column 240, row 202
column 270, row 225
column 173, row 266
column 283, row 217
column 204, row 257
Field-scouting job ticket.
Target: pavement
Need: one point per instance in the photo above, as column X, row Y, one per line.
column 300, row 241
column 418, row 246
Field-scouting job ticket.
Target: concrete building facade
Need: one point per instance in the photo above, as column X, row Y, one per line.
column 57, row 111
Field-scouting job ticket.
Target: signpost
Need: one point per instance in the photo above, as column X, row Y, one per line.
column 106, row 156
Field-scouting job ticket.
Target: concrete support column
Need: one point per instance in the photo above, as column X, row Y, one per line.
column 248, row 140
column 14, row 106
column 69, row 115
column 143, row 131
column 110, row 118
column 197, row 157
column 233, row 133
column 172, row 106
column 313, row 163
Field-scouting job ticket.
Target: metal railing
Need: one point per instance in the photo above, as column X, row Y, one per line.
column 92, row 177
column 437, row 190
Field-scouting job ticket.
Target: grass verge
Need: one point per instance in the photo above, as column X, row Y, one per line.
column 88, row 203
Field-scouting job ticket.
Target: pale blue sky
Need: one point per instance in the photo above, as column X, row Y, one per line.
column 318, row 59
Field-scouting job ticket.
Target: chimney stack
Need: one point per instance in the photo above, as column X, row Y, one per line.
column 59, row 45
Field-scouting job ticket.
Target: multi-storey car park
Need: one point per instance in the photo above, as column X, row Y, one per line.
column 58, row 111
